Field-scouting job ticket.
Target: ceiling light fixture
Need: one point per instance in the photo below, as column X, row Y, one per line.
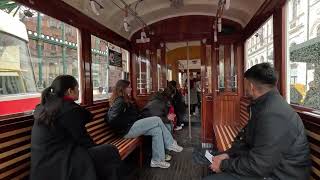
column 217, row 23
column 126, row 24
column 143, row 37
column 96, row 6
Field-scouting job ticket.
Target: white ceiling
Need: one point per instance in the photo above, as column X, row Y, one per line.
column 152, row 11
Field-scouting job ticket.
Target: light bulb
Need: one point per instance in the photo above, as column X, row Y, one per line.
column 219, row 25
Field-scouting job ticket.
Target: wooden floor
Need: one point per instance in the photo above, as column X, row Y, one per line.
column 182, row 165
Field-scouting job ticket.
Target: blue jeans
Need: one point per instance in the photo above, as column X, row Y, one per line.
column 161, row 137
column 169, row 126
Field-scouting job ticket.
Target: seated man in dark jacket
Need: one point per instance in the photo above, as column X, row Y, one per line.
column 273, row 145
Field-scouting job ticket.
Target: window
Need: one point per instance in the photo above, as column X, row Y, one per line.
column 266, row 45
column 303, row 60
column 227, row 70
column 99, row 68
column 159, row 76
column 32, row 58
column 208, row 77
column 110, row 63
column 144, row 80
column 169, row 75
column 221, row 68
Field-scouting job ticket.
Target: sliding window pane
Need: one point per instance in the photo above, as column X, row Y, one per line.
column 303, row 59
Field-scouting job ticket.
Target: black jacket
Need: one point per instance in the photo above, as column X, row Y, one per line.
column 273, row 144
column 121, row 116
column 157, row 106
column 177, row 102
column 61, row 151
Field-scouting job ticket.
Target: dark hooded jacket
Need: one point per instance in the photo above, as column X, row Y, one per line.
column 122, row 115
column 61, row 151
column 157, row 106
column 272, row 145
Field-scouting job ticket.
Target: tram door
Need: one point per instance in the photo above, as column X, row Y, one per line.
column 183, row 60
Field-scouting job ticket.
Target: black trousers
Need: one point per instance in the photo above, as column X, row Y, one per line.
column 227, row 176
column 180, row 116
column 107, row 162
column 220, row 176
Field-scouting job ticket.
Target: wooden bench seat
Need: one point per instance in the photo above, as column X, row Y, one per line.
column 101, row 133
column 15, row 142
column 225, row 135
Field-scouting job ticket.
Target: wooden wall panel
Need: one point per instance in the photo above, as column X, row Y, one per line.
column 207, row 116
column 85, row 69
column 226, row 110
column 279, row 34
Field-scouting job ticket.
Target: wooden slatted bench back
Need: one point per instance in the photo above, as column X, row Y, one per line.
column 15, row 142
column 225, row 134
column 101, row 133
column 15, row 153
column 312, row 126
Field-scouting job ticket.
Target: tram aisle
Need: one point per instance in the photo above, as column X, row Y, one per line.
column 182, row 166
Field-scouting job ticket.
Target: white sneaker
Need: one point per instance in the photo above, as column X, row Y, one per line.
column 178, row 128
column 182, row 124
column 160, row 164
column 175, row 147
column 168, row 157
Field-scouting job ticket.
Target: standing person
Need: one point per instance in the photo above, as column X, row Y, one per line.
column 198, row 87
column 61, row 148
column 193, row 97
column 273, row 145
column 124, row 117
column 178, row 104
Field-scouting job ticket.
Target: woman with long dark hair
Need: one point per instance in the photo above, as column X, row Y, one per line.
column 124, row 117
column 61, row 148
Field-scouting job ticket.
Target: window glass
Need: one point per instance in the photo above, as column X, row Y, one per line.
column 99, row 68
column 259, row 47
column 303, row 60
column 144, row 79
column 34, row 49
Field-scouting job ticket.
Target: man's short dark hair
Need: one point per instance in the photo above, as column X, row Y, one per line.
column 262, row 74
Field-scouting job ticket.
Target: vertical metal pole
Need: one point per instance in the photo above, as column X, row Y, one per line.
column 308, row 36
column 39, row 47
column 308, row 20
column 188, row 72
column 64, row 48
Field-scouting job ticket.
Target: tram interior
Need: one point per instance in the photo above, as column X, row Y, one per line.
column 205, row 46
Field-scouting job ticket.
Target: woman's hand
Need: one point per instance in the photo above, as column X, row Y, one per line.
column 171, row 117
